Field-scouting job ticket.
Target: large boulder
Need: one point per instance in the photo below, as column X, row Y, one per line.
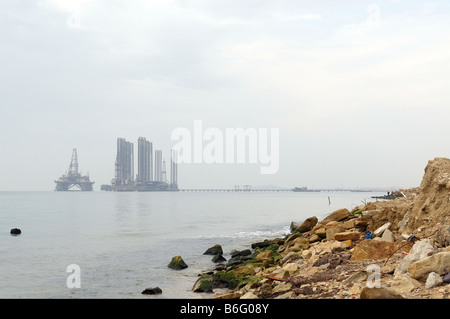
column 214, row 250
column 419, row 251
column 177, row 263
column 377, row 249
column 433, row 280
column 403, row 283
column 218, row 259
column 337, row 215
column 308, row 224
column 203, row 285
column 438, row 263
column 354, row 235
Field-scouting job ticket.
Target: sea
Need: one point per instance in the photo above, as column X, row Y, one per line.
column 116, row 244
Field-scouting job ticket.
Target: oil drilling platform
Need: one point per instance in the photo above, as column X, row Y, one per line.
column 73, row 180
column 151, row 175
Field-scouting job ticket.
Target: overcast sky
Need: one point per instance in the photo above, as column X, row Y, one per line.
column 359, row 90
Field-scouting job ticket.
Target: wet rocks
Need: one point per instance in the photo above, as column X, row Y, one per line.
column 333, row 258
column 203, row 284
column 177, row 263
column 214, row 250
column 15, row 231
column 218, row 259
column 152, row 291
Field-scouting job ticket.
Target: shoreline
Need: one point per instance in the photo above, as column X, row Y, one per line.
column 376, row 250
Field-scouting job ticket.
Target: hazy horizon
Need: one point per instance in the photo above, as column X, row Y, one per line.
column 358, row 89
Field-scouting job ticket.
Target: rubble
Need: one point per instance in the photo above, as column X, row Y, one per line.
column 407, row 254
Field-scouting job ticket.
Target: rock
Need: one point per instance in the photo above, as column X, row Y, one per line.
column 321, row 232
column 331, row 224
column 243, row 271
column 403, row 224
column 264, row 255
column 214, row 250
column 349, row 224
column 356, row 277
column 308, row 224
column 291, row 268
column 446, row 278
column 314, row 238
column 218, row 259
column 379, row 293
column 403, row 283
column 348, row 243
column 335, row 245
column 388, row 236
column 419, row 251
column 337, row 215
column 306, row 254
column 266, row 243
column 379, row 231
column 237, row 260
column 370, row 212
column 249, row 295
column 361, row 225
column 152, row 291
column 291, row 238
column 324, row 266
column 15, row 231
column 300, row 244
column 177, row 263
column 203, row 285
column 333, row 230
column 232, row 295
column 282, row 287
column 433, row 280
column 237, row 253
column 442, row 236
column 347, row 236
column 439, row 263
column 377, row 249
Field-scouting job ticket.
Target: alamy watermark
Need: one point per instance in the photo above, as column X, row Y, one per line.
column 374, row 278
column 373, row 16
column 232, row 146
column 74, row 279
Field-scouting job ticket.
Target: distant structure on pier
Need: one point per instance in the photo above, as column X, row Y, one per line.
column 73, row 180
column 147, row 179
column 124, row 163
column 145, row 161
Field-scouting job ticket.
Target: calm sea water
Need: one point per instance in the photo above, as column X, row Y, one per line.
column 122, row 242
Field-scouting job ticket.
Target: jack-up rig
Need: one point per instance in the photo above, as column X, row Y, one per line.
column 73, row 180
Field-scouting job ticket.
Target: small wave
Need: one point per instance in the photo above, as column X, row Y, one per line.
column 269, row 233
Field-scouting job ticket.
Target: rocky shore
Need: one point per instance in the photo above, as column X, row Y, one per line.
column 385, row 249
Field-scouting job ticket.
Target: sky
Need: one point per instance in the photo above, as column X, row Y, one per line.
column 359, row 90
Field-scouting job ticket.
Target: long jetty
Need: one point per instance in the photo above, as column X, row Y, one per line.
column 271, row 190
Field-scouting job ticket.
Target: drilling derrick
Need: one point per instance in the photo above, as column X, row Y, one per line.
column 73, row 180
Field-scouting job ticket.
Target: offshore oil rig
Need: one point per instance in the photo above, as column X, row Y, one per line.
column 151, row 175
column 72, row 180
